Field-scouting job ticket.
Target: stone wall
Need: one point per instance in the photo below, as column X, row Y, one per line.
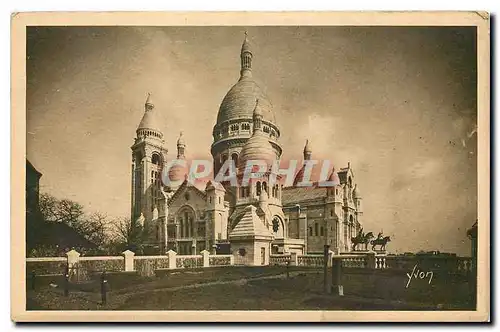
column 46, row 265
column 83, row 268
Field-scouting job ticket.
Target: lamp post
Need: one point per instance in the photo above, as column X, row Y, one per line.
column 325, row 268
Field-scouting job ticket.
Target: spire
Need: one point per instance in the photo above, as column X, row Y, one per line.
column 355, row 192
column 149, row 103
column 307, row 151
column 257, row 118
column 181, row 146
column 149, row 123
column 246, row 58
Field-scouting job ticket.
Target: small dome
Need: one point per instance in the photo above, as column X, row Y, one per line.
column 181, row 140
column 256, row 148
column 355, row 192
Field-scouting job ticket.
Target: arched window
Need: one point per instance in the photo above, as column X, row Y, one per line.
column 310, row 231
column 316, row 229
column 234, row 157
column 322, row 231
column 264, row 187
column 186, row 222
column 351, row 219
column 258, row 188
column 155, row 159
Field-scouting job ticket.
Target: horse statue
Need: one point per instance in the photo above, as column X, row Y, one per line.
column 357, row 239
column 361, row 238
column 380, row 242
column 368, row 236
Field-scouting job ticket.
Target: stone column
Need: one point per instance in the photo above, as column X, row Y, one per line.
column 303, row 229
column 129, row 260
column 370, row 260
column 206, row 258
column 172, row 259
column 330, row 257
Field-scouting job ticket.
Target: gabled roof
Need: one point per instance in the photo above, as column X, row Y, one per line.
column 63, row 235
column 250, row 225
column 188, row 186
column 291, row 195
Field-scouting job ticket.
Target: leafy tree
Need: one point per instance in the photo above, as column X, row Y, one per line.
column 93, row 227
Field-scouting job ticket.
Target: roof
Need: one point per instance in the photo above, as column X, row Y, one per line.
column 472, row 232
column 185, row 185
column 239, row 102
column 250, row 225
column 63, row 235
column 31, row 168
column 149, row 121
column 342, row 174
column 256, row 148
column 214, row 185
column 296, row 194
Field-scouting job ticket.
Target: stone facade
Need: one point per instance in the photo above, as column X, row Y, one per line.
column 251, row 221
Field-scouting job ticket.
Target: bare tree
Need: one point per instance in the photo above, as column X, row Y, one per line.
column 95, row 228
column 128, row 235
column 122, row 231
column 70, row 212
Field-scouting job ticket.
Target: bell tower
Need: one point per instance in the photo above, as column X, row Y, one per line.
column 148, row 158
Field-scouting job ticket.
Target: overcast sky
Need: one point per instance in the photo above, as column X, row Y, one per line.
column 398, row 103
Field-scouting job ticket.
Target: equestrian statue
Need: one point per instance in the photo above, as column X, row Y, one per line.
column 361, row 238
column 380, row 241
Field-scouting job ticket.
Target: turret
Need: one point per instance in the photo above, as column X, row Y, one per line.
column 246, row 58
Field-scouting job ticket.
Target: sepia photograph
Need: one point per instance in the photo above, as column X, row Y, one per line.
column 191, row 165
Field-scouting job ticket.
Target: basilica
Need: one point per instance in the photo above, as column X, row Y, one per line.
column 252, row 221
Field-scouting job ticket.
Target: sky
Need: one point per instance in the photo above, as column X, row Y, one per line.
column 398, row 103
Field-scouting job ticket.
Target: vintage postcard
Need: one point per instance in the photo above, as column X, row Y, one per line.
column 240, row 166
